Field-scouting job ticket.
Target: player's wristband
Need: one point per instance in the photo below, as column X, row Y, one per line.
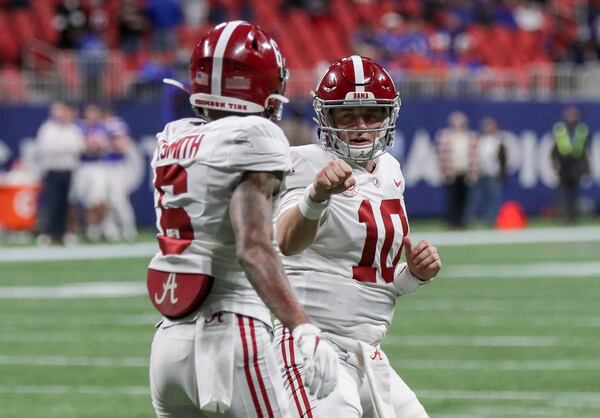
column 309, row 208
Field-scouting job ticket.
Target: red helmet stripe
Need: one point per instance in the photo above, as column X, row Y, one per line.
column 217, row 66
column 359, row 73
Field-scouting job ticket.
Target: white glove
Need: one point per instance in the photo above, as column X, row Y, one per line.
column 319, row 359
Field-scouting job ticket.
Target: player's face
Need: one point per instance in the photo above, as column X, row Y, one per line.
column 358, row 118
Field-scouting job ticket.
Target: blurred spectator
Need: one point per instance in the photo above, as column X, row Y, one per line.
column 132, row 24
column 69, row 21
column 457, row 155
column 195, row 12
column 164, row 16
column 364, row 39
column 92, row 57
column 90, row 187
column 314, row 8
column 18, row 4
column 295, row 126
column 149, row 77
column 529, row 15
column 486, row 194
column 120, row 220
column 570, row 161
column 59, row 143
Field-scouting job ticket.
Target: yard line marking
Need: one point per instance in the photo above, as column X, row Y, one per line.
column 488, row 341
column 404, row 363
column 69, row 337
column 51, row 318
column 74, row 361
column 494, row 411
column 444, row 238
column 570, row 399
column 578, row 400
column 78, row 252
column 401, row 362
column 77, row 390
column 518, row 411
column 75, row 291
column 538, row 270
column 494, row 305
column 523, row 236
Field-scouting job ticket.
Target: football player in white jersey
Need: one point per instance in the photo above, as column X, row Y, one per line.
column 342, row 225
column 217, row 274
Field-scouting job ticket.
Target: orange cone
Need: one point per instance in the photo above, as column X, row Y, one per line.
column 511, row 216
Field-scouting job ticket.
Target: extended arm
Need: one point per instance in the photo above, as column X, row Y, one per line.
column 297, row 227
column 251, row 217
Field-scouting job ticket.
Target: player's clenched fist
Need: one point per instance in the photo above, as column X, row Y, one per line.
column 335, row 177
column 423, row 260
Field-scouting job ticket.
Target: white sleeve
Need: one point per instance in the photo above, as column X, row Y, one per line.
column 302, row 174
column 404, row 282
column 260, row 146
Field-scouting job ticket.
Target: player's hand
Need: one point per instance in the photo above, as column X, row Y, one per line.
column 320, row 362
column 335, row 177
column 423, row 260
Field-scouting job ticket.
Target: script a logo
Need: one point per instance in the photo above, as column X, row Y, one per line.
column 168, row 287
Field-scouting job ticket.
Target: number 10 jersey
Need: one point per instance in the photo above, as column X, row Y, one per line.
column 343, row 279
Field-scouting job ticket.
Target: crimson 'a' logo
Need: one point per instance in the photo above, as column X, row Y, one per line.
column 168, row 287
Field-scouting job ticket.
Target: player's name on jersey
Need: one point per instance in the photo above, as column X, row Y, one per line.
column 182, row 148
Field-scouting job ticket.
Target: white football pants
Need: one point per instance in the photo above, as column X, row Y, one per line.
column 351, row 397
column 256, row 385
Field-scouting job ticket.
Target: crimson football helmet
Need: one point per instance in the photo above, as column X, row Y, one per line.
column 237, row 67
column 350, row 82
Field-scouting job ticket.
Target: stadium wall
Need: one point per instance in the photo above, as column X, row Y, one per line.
column 527, row 126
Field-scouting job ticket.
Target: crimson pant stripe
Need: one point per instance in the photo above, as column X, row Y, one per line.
column 261, row 383
column 247, row 367
column 299, row 379
column 287, row 366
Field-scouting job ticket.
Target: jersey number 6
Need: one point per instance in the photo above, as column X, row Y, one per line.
column 176, row 231
column 365, row 272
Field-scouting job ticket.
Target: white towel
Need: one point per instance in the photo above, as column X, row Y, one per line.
column 377, row 371
column 215, row 361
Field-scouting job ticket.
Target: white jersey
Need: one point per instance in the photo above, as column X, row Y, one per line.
column 343, row 279
column 196, row 167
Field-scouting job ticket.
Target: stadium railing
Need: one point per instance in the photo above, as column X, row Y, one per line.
column 49, row 74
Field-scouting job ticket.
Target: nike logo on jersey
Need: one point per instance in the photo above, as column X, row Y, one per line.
column 397, row 183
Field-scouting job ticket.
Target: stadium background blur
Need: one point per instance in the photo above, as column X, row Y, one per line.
column 510, row 330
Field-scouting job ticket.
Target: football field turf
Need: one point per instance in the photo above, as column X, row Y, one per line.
column 507, row 330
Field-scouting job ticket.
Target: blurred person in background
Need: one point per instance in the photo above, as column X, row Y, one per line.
column 120, row 219
column 458, row 158
column 295, row 126
column 132, row 24
column 69, row 20
column 59, row 144
column 91, row 184
column 570, row 160
column 342, row 226
column 164, row 16
column 486, row 194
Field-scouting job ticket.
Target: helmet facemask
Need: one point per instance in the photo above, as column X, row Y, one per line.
column 337, row 140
